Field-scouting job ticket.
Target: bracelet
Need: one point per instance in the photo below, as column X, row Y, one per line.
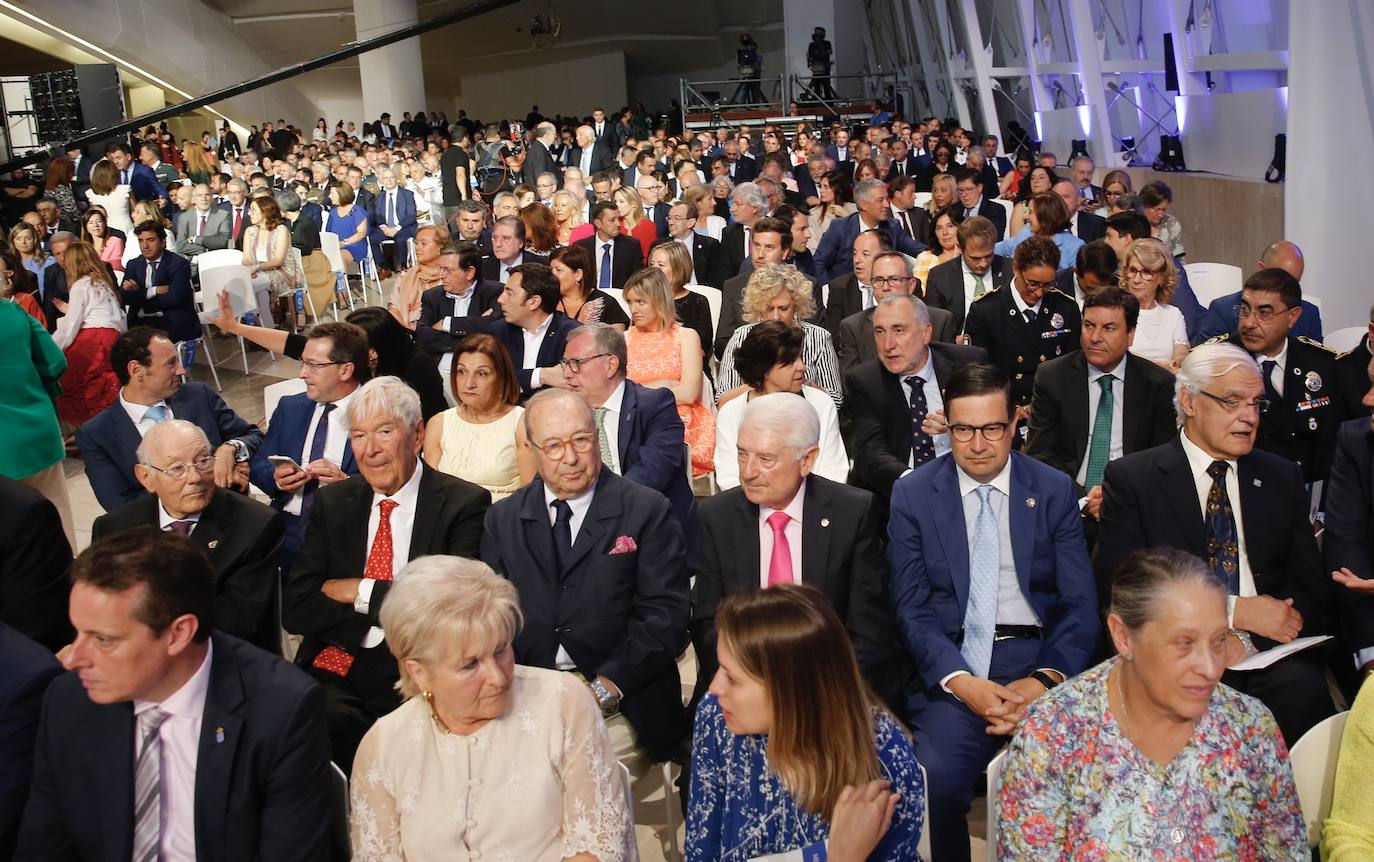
column 1044, row 679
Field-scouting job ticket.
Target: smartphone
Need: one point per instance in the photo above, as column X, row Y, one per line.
column 280, row 460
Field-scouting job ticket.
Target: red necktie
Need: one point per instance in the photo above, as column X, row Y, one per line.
column 238, row 222
column 201, row 232
column 333, row 658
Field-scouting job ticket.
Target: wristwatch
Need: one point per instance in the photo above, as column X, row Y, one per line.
column 1245, row 641
column 1044, row 679
column 240, row 450
column 609, row 703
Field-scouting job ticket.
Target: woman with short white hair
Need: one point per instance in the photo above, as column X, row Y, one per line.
column 484, row 759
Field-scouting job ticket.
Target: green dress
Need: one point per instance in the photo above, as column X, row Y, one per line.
column 31, row 363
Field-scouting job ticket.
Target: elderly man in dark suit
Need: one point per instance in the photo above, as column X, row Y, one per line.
column 955, row 284
column 1212, row 493
column 34, row 558
column 993, row 592
column 242, row 537
column 601, row 568
column 204, row 226
column 361, row 533
column 893, row 405
column 157, row 287
column 707, row 261
column 1349, row 541
column 149, row 370
column 532, row 327
column 29, row 668
column 784, row 525
column 182, row 743
column 507, row 250
column 890, row 273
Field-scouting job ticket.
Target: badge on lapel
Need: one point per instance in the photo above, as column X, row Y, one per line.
column 1057, row 320
column 1030, row 502
column 825, row 522
column 219, row 736
column 212, row 544
column 1313, row 381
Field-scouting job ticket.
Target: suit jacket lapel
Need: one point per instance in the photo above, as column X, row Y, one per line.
column 1255, row 501
column 1022, row 515
column 126, row 435
column 1177, row 486
column 745, row 550
column 816, row 534
column 427, row 515
column 537, row 528
column 605, row 510
column 210, row 529
column 116, row 782
column 220, row 729
column 1135, row 410
column 629, row 403
column 948, row 510
column 1077, row 404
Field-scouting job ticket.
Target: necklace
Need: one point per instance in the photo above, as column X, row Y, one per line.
column 1121, row 695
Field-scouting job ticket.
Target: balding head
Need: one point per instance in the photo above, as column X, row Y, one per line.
column 176, row 463
column 1283, row 255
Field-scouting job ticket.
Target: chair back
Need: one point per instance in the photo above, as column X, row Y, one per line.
column 618, row 294
column 338, row 821
column 922, row 198
column 274, row 392
column 923, row 846
column 1313, row 759
column 1211, row 281
column 713, row 301
column 994, row 788
column 1346, row 339
column 333, row 251
column 208, row 260
column 1008, row 206
column 234, row 279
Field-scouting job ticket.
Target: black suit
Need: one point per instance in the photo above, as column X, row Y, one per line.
column 841, row 555
column 731, row 312
column 29, row 667
column 1349, row 537
column 54, row 288
column 910, row 164
column 619, row 604
column 550, row 349
column 1090, row 227
column 845, row 299
column 733, row 250
column 742, row 170
column 447, row 520
column 243, row 539
column 538, row 160
column 993, row 212
column 1150, row 500
column 708, row 262
column 918, row 220
column 659, row 216
column 854, row 342
column 34, row 558
column 436, row 305
column 944, row 287
column 627, row 258
column 262, row 772
column 1059, row 424
column 601, row 160
column 1352, row 369
column 1017, row 346
column 490, row 269
column 878, row 415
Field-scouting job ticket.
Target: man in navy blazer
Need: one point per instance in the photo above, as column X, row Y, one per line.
column 244, row 766
column 995, row 615
column 530, row 317
column 29, row 667
column 391, row 218
column 157, row 287
column 1349, row 543
column 142, row 182
column 149, row 370
column 834, row 256
column 460, row 306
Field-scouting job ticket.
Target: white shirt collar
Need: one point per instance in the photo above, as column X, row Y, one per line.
column 1119, row 372
column 165, row 520
column 137, row 411
column 1002, row 481
column 616, row 398
column 1198, row 460
column 1021, row 303
column 1281, row 357
column 579, row 504
column 922, row 371
column 538, row 331
column 342, row 404
column 189, row 700
column 408, row 494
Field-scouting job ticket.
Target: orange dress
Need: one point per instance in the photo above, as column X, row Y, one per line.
column 656, row 356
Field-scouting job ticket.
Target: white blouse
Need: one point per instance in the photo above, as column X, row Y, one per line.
column 832, row 464
column 89, row 306
column 539, row 784
column 1157, row 331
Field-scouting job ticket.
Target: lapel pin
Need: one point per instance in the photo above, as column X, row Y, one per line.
column 1030, row 502
column 825, row 522
column 1258, row 483
column 219, row 735
column 212, row 544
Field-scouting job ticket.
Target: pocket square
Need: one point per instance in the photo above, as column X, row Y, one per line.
column 624, row 545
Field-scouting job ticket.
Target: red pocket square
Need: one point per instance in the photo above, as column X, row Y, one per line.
column 624, row 545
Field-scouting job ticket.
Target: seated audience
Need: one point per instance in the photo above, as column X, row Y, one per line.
column 601, row 569
column 482, row 439
column 360, row 533
column 580, row 301
column 14, row 287
column 92, row 319
column 1348, row 835
column 853, row 292
column 1049, row 218
column 1211, row 493
column 203, row 227
column 316, row 270
column 704, row 259
column 348, row 221
column 891, row 274
column 674, row 260
column 1039, row 180
column 267, row 252
column 1157, row 198
column 149, row 371
column 34, row 557
column 770, row 242
column 29, row 669
column 780, row 292
column 541, row 230
column 157, row 287
column 1148, row 750
column 543, row 743
column 1348, row 540
column 568, row 221
column 770, row 361
column 616, row 256
column 1161, row 335
column 1353, row 368
column 392, row 220
column 945, row 245
column 124, row 763
column 458, row 306
column 835, row 194
column 974, row 200
column 779, row 772
column 1095, row 267
column 1124, row 228
column 1083, row 223
column 507, row 244
column 1223, row 314
column 633, row 222
column 1115, row 185
column 532, row 328
column 994, row 614
column 954, row 286
column 404, row 303
column 663, row 354
column 832, row 255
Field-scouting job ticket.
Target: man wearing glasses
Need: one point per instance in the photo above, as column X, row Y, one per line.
column 993, row 592
column 457, row 307
column 602, row 572
column 650, row 190
column 1212, row 493
column 242, row 537
column 974, row 203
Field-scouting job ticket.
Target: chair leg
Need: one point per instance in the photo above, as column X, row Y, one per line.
column 243, row 349
column 210, row 361
column 670, row 813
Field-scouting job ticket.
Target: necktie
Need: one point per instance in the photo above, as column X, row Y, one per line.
column 922, row 446
column 1029, row 314
column 605, row 279
column 334, row 658
column 1223, row 555
column 182, row 527
column 238, row 222
column 980, row 285
column 148, row 787
column 149, row 273
column 602, row 440
column 391, row 208
column 1100, row 449
column 562, row 531
column 201, row 230
column 124, row 178
column 317, row 443
column 985, row 560
column 780, row 563
column 867, row 293
column 906, row 224
column 157, row 413
column 1270, row 391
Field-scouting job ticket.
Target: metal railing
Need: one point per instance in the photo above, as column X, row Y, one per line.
column 833, row 96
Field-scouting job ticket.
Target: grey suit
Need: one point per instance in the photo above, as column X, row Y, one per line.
column 854, row 340
column 215, row 236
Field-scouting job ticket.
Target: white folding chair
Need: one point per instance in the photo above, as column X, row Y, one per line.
column 1313, row 759
column 922, row 198
column 923, row 846
column 411, row 259
column 1008, row 206
column 219, row 257
column 187, row 349
column 272, row 393
column 235, row 280
column 333, row 252
column 1213, row 280
column 994, row 787
column 338, row 783
column 1345, row 339
column 641, row 767
column 713, row 301
column 619, row 295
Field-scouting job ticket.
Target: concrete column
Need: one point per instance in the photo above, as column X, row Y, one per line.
column 1089, row 51
column 392, row 78
column 982, row 67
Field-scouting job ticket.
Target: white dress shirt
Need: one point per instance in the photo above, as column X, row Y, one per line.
column 180, row 736
column 971, row 284
column 934, row 401
column 336, row 438
column 164, row 520
column 1198, row 462
column 793, row 532
column 402, row 526
column 688, row 243
column 1021, row 306
column 533, row 339
column 503, row 269
column 579, row 506
column 612, row 421
column 1118, row 375
column 138, row 413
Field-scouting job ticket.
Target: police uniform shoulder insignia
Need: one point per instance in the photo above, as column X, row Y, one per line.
column 1054, row 290
column 1218, row 339
column 992, row 291
column 1310, row 342
column 1340, row 356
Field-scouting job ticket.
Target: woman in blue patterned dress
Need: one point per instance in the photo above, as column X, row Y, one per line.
column 1148, row 756
column 792, row 753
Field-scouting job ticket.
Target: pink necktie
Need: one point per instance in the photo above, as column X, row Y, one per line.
column 780, row 564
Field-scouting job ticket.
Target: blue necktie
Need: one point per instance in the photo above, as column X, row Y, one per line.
column 985, row 561
column 316, row 453
column 157, row 413
column 1223, row 553
column 922, row 446
column 605, row 279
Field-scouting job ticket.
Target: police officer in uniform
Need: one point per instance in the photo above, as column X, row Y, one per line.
column 1301, row 382
column 1027, row 322
column 1353, row 369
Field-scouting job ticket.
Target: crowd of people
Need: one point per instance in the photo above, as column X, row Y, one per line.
column 924, row 451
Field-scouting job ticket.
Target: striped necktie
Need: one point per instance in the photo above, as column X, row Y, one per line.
column 148, row 788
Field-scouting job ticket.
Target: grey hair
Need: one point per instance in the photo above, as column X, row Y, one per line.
column 606, row 339
column 1205, row 363
column 62, row 236
column 155, row 435
column 471, row 206
column 725, row 181
column 751, row 194
column 443, row 604
column 787, row 415
column 548, row 174
column 1130, row 203
column 557, row 397
column 868, row 189
column 1141, row 580
column 1083, row 158
column 917, row 305
column 287, row 202
column 389, row 396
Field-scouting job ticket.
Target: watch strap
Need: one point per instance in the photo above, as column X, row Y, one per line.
column 1044, row 679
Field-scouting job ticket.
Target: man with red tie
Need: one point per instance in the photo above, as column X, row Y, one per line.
column 360, row 534
column 236, row 204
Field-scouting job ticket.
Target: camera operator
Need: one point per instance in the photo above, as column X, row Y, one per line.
column 819, row 58
column 749, row 63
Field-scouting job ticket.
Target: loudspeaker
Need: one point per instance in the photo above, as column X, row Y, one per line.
column 1279, row 165
column 1170, row 67
column 70, row 101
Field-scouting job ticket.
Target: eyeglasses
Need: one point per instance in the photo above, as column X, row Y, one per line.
column 1037, row 285
column 314, row 367
column 1265, row 313
column 1112, row 194
column 178, row 471
column 893, row 280
column 1235, row 405
column 1141, row 274
column 580, row 443
column 575, row 365
column 992, row 432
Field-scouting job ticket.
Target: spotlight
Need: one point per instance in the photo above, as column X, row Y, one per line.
column 1170, row 154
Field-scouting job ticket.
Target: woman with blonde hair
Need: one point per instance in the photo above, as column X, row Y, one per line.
column 792, row 753
column 567, row 217
column 944, row 192
column 24, row 240
column 92, row 320
column 693, row 310
column 632, row 219
column 198, row 165
column 1148, row 273
column 663, row 354
column 778, row 292
column 702, row 201
column 521, row 754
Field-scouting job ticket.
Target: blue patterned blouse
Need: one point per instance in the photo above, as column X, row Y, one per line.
column 739, row 808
